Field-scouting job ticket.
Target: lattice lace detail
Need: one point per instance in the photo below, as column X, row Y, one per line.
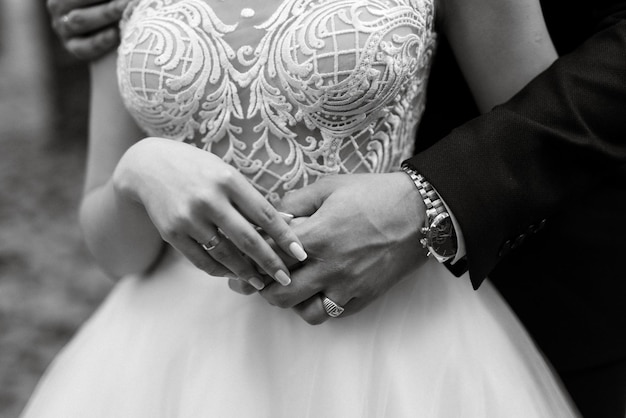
column 331, row 86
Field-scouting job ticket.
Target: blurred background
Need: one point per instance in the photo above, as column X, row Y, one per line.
column 48, row 283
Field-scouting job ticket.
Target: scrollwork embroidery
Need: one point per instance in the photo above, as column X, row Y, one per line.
column 331, row 86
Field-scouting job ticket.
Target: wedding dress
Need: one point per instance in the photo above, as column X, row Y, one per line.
column 302, row 89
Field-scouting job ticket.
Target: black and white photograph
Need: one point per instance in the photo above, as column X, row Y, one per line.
column 313, row 208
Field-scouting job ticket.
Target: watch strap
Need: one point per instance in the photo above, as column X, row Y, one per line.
column 435, row 208
column 432, row 200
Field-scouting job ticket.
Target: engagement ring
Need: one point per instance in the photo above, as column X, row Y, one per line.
column 212, row 243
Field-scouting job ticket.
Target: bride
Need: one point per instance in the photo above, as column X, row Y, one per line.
column 225, row 107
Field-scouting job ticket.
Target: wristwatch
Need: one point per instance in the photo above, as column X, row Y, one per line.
column 439, row 235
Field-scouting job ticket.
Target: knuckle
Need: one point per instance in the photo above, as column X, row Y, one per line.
column 275, row 297
column 75, row 46
column 197, row 205
column 176, row 224
column 169, row 233
column 205, row 200
column 224, row 177
column 312, row 319
column 75, row 22
column 105, row 41
column 196, row 261
column 182, row 217
column 284, row 236
column 100, row 46
column 247, row 242
column 222, row 254
column 206, row 203
column 282, row 301
column 267, row 214
column 268, row 294
column 79, row 52
column 207, row 266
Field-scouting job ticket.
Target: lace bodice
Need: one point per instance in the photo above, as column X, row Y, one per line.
column 314, row 87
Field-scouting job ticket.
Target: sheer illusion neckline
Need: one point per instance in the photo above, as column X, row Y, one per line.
column 319, row 87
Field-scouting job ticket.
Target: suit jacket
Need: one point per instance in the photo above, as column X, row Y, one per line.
column 538, row 184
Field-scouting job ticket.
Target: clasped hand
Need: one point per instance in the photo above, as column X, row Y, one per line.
column 192, row 197
column 361, row 233
column 87, row 28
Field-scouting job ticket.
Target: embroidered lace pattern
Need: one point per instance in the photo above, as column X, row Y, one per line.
column 326, row 86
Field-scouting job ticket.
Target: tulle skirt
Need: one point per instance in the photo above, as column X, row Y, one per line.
column 178, row 343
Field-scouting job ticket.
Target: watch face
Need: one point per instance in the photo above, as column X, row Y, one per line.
column 441, row 236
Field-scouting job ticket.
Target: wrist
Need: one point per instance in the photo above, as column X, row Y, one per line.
column 414, row 209
column 126, row 177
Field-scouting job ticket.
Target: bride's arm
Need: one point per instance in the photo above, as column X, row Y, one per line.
column 500, row 45
column 117, row 231
column 141, row 192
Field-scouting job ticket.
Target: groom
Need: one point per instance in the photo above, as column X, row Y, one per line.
column 537, row 188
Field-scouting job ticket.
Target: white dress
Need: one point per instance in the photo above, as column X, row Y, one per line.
column 300, row 90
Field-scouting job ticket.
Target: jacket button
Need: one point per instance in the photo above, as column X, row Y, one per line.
column 518, row 241
column 534, row 228
column 541, row 225
column 506, row 248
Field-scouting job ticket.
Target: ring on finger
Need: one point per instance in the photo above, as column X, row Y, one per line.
column 212, row 243
column 332, row 308
column 65, row 19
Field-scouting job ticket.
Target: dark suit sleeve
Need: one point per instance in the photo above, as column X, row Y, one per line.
column 504, row 172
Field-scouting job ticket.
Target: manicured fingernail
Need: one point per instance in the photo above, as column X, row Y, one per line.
column 287, row 217
column 257, row 283
column 282, row 278
column 297, row 251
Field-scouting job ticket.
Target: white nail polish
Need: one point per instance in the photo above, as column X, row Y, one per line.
column 297, row 251
column 287, row 217
column 282, row 278
column 257, row 283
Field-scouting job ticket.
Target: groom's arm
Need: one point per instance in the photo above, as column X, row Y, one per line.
column 505, row 172
column 501, row 175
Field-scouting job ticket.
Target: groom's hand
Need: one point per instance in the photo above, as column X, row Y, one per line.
column 87, row 28
column 362, row 237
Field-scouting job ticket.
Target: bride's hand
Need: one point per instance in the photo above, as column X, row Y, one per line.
column 192, row 197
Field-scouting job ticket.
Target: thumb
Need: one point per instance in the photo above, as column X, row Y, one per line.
column 307, row 200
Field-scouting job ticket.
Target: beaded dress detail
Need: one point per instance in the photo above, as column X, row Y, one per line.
column 330, row 87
